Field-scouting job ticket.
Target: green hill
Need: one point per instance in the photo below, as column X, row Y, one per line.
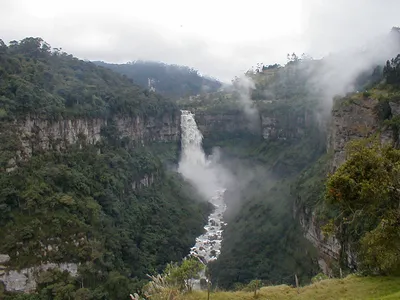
column 169, row 80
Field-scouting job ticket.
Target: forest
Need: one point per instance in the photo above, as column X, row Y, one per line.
column 83, row 205
column 169, row 80
column 38, row 80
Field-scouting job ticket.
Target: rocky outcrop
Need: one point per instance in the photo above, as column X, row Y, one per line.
column 352, row 119
column 286, row 126
column 328, row 246
column 227, row 123
column 39, row 134
column 269, row 125
column 25, row 280
column 146, row 181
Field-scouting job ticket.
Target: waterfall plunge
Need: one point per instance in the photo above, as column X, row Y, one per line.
column 209, row 178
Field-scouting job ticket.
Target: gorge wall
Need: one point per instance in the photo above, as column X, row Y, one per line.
column 45, row 134
column 270, row 124
column 37, row 135
column 352, row 118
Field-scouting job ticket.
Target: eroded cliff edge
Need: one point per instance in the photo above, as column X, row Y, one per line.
column 353, row 117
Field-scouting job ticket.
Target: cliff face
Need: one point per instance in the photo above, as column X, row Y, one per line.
column 228, row 123
column 37, row 134
column 351, row 120
column 288, row 125
column 40, row 135
column 268, row 124
column 25, row 280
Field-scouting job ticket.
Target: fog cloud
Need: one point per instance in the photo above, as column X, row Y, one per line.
column 217, row 40
column 243, row 86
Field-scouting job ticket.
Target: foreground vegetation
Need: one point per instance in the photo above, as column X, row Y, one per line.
column 351, row 288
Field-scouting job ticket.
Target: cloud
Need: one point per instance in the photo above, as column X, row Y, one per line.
column 217, row 43
column 243, row 86
column 218, row 40
column 331, row 26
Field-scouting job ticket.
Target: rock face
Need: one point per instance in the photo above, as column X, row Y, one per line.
column 286, row 126
column 351, row 120
column 146, row 181
column 269, row 125
column 38, row 134
column 328, row 247
column 227, row 123
column 25, row 280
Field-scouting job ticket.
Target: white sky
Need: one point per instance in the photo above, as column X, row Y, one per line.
column 221, row 38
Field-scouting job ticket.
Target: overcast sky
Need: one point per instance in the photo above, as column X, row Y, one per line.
column 221, row 38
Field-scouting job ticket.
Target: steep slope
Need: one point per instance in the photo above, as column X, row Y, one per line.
column 339, row 219
column 169, row 80
column 83, row 181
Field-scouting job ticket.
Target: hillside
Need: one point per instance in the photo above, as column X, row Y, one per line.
column 83, row 184
column 39, row 81
column 169, row 80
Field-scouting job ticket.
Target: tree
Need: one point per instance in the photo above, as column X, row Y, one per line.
column 254, row 286
column 380, row 248
column 3, row 47
column 391, row 71
column 183, row 274
column 366, row 192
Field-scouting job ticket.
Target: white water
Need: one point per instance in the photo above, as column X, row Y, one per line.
column 208, row 177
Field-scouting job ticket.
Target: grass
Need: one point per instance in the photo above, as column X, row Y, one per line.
column 352, row 287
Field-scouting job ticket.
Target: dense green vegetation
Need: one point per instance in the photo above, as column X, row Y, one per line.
column 85, row 204
column 38, row 80
column 262, row 240
column 169, row 80
column 364, row 192
column 392, row 71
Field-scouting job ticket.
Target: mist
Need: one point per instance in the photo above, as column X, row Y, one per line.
column 243, row 86
column 204, row 172
column 337, row 73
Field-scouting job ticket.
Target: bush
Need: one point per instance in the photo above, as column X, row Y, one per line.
column 319, row 277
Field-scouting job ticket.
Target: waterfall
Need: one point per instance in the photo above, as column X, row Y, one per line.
column 202, row 171
column 209, row 179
